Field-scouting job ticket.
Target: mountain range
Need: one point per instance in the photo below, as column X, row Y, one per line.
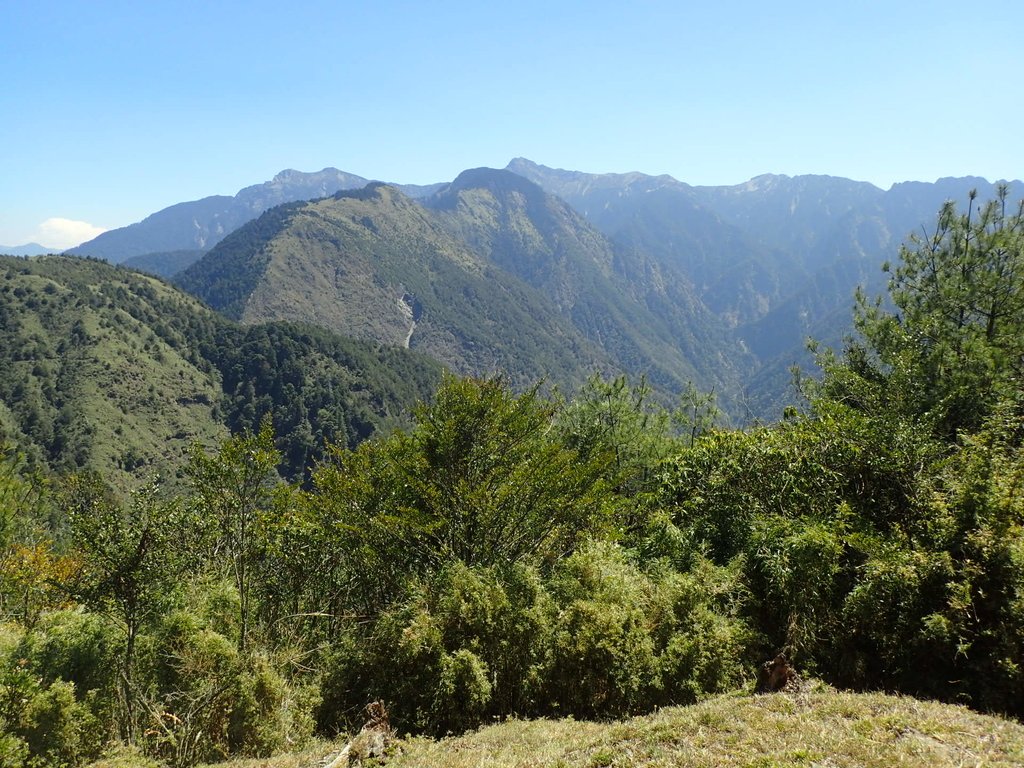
column 549, row 273
column 28, row 249
column 198, row 225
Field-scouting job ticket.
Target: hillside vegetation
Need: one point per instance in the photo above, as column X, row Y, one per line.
column 373, row 265
column 718, row 286
column 514, row 554
column 115, row 371
column 93, row 371
column 777, row 259
column 644, row 314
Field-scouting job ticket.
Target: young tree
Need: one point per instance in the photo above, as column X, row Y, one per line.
column 954, row 343
column 482, row 478
column 621, row 427
column 131, row 556
column 233, row 488
column 697, row 414
column 25, row 548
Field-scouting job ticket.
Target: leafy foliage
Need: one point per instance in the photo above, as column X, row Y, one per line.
column 879, row 530
column 131, row 556
column 954, row 345
column 478, row 479
column 598, row 638
column 233, row 491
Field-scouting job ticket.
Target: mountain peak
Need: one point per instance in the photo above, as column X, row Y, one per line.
column 286, row 176
column 198, row 225
column 375, row 190
column 292, row 176
column 494, row 179
column 500, row 183
column 28, row 249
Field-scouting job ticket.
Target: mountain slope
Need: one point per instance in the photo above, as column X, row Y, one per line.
column 112, row 370
column 644, row 314
column 29, row 249
column 736, row 278
column 86, row 380
column 777, row 258
column 164, row 264
column 720, row 285
column 375, row 265
column 839, row 233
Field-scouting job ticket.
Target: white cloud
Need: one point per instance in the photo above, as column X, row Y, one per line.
column 58, row 233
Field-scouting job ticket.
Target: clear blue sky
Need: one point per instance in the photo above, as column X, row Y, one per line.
column 110, row 111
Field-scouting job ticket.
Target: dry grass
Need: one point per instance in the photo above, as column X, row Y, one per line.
column 313, row 756
column 820, row 727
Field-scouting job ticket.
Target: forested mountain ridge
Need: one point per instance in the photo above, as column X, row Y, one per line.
column 93, row 372
column 754, row 248
column 722, row 285
column 778, row 257
column 733, row 275
column 375, row 265
column 488, row 274
column 115, row 371
column 645, row 315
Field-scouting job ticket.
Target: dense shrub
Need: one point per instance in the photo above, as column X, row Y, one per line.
column 626, row 640
column 73, row 646
column 61, row 731
column 597, row 638
column 875, row 555
column 46, row 724
column 465, row 645
column 196, row 674
column 211, row 701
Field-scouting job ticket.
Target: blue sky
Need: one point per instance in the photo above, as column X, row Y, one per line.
column 114, row 110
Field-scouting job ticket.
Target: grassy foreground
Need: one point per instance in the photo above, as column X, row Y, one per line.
column 821, row 727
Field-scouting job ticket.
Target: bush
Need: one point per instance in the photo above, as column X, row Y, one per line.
column 463, row 691
column 74, row 646
column 211, row 701
column 797, row 568
column 603, row 659
column 56, row 691
column 465, row 646
column 627, row 641
column 13, row 750
column 59, row 730
column 196, row 675
column 259, row 724
column 599, row 638
column 704, row 647
column 875, row 555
